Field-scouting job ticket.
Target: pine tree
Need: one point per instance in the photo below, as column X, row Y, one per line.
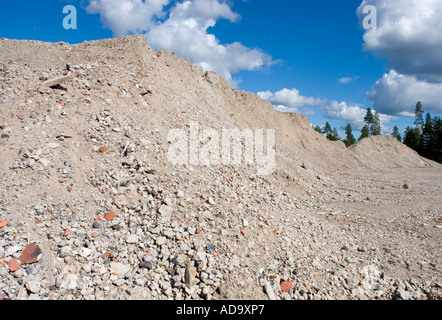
column 412, row 138
column 365, row 133
column 327, row 129
column 317, row 128
column 333, row 135
column 376, row 129
column 436, row 152
column 369, row 117
column 349, row 135
column 419, row 120
column 426, row 141
column 396, row 134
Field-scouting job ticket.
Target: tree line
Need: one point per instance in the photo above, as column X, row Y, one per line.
column 372, row 127
column 425, row 136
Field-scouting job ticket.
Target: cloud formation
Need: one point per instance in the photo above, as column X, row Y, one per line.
column 353, row 114
column 183, row 29
column 397, row 94
column 347, row 80
column 125, row 17
column 290, row 98
column 409, row 35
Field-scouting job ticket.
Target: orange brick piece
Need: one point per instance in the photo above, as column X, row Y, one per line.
column 13, row 265
column 31, row 254
column 109, row 216
column 286, row 286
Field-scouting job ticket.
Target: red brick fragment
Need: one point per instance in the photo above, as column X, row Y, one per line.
column 14, row 265
column 31, row 254
column 286, row 286
column 109, row 216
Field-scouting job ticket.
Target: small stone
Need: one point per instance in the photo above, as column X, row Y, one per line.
column 132, row 238
column 85, row 252
column 189, row 274
column 161, row 240
column 166, row 212
column 65, row 251
column 210, row 247
column 146, row 265
column 31, row 254
column 200, row 256
column 53, row 145
column 119, row 268
column 406, row 186
column 5, row 136
column 95, row 225
column 103, row 149
column 30, row 271
column 33, row 286
column 181, row 259
column 180, row 194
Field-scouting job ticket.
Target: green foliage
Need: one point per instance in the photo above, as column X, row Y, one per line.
column 396, row 134
column 376, row 128
column 333, row 135
column 350, row 139
column 419, row 119
column 318, row 129
column 365, row 133
column 412, row 138
column 327, row 129
column 369, row 118
column 426, row 136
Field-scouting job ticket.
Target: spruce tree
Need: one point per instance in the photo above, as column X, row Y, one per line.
column 412, row 138
column 333, row 135
column 419, row 116
column 327, row 129
column 365, row 133
column 396, row 134
column 317, row 128
column 376, row 128
column 369, row 117
column 350, row 139
column 436, row 152
column 426, row 141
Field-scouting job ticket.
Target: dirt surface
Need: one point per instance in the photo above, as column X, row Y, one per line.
column 85, row 174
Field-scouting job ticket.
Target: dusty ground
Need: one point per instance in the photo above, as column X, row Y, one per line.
column 329, row 223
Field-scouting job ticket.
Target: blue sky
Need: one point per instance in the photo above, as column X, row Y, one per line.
column 311, row 57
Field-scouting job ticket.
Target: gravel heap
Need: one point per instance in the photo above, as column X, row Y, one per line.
column 91, row 208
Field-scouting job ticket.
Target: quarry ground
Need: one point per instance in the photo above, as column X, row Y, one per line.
column 91, row 208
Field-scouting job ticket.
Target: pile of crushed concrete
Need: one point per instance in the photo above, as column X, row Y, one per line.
column 93, row 205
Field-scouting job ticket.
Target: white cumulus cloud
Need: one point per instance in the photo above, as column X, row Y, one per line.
column 353, row 113
column 290, row 98
column 124, row 17
column 409, row 35
column 183, row 29
column 398, row 94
